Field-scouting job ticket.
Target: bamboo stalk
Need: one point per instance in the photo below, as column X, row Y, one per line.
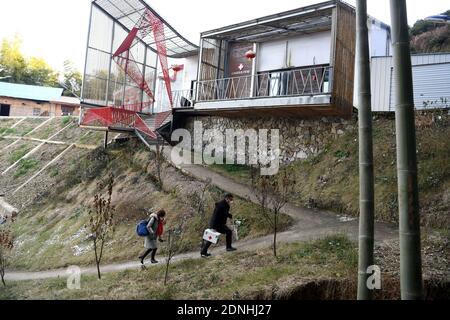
column 366, row 181
column 408, row 194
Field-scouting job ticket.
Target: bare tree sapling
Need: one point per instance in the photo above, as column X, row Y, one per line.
column 101, row 221
column 6, row 245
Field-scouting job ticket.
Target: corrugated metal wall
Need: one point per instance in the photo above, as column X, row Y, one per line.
column 431, row 77
column 431, row 86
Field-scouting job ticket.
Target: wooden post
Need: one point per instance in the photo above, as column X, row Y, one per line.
column 106, row 139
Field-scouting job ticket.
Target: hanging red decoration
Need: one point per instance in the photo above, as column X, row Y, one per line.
column 250, row 55
column 177, row 68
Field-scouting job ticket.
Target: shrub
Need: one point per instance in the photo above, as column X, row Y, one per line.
column 18, row 154
column 65, row 121
column 25, row 166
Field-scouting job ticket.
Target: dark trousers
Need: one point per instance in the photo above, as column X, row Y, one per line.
column 223, row 230
column 147, row 252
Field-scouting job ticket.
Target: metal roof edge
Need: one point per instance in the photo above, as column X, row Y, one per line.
column 416, row 54
column 257, row 21
column 299, row 11
column 26, row 99
column 94, row 2
column 32, row 92
column 370, row 18
column 63, row 102
column 168, row 24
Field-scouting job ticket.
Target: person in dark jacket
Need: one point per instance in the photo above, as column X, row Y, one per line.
column 219, row 223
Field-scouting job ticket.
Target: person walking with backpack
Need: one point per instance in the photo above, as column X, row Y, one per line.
column 155, row 230
column 219, row 223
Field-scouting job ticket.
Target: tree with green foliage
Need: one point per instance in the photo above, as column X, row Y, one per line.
column 40, row 73
column 430, row 37
column 422, row 26
column 12, row 63
column 16, row 68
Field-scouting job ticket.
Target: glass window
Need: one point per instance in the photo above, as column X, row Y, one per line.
column 101, row 30
column 151, row 58
column 97, row 64
column 95, row 90
column 115, row 94
column 119, row 36
column 213, row 59
column 67, row 111
column 138, row 52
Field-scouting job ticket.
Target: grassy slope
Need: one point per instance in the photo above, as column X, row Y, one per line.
column 51, row 233
column 321, row 269
column 240, row 275
column 330, row 180
column 49, row 230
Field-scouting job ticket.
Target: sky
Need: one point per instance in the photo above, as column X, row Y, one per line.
column 56, row 30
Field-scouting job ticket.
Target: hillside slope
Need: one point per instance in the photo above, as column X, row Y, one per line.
column 50, row 230
column 430, row 37
column 330, row 180
column 51, row 227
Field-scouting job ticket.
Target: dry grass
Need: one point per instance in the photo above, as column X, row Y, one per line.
column 324, row 269
column 330, row 180
column 51, row 231
column 225, row 277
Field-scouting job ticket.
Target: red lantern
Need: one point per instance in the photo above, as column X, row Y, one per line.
column 250, row 55
column 177, row 68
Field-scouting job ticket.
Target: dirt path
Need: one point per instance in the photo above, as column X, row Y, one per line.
column 308, row 225
column 305, row 220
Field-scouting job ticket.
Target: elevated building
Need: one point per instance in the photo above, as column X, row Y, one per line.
column 293, row 71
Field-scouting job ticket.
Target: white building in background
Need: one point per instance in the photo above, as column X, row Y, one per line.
column 431, row 79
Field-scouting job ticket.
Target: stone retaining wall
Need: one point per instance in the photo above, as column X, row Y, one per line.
column 299, row 139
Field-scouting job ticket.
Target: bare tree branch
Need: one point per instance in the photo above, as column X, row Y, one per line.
column 273, row 195
column 6, row 245
column 101, row 221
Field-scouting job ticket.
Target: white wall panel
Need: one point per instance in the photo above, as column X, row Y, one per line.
column 378, row 40
column 310, row 50
column 429, row 82
column 431, row 87
column 300, row 51
column 272, row 55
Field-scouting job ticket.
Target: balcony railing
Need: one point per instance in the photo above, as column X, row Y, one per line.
column 183, row 99
column 295, row 82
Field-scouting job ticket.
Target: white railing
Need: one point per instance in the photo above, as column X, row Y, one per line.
column 295, row 82
column 183, row 99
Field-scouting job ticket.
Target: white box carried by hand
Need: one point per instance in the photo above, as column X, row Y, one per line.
column 211, row 236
